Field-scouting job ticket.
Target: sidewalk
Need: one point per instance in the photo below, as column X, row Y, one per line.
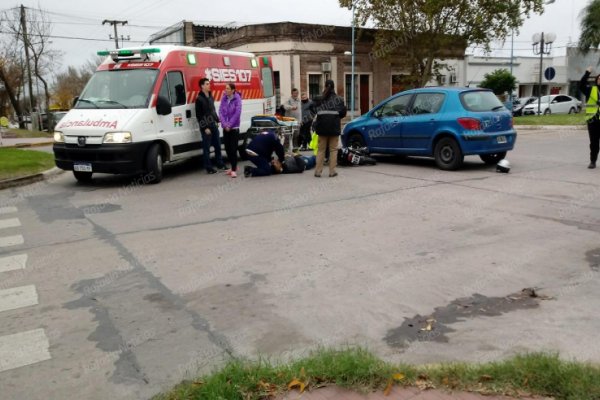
column 25, row 142
column 549, row 127
column 336, row 393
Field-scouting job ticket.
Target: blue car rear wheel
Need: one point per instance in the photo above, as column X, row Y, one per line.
column 448, row 155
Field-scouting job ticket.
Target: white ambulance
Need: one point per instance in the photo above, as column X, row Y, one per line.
column 137, row 111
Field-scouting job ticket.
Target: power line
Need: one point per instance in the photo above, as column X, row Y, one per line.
column 73, row 37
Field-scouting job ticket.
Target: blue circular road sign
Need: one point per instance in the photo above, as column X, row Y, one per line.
column 550, row 73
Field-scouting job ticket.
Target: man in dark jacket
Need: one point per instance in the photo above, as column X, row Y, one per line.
column 208, row 120
column 592, row 111
column 260, row 150
column 307, row 120
column 330, row 109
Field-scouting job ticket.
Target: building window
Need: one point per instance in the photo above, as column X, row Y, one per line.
column 400, row 83
column 276, row 84
column 315, row 84
column 348, row 89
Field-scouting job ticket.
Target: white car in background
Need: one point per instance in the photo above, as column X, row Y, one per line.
column 554, row 104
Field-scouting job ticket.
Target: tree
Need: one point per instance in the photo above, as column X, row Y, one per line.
column 426, row 29
column 500, row 81
column 12, row 42
column 590, row 27
column 70, row 84
column 12, row 73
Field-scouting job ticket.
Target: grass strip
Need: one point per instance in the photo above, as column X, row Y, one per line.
column 541, row 374
column 552, row 119
column 15, row 163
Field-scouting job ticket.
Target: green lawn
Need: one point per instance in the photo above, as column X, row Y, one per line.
column 24, row 133
column 15, row 162
column 359, row 370
column 552, row 119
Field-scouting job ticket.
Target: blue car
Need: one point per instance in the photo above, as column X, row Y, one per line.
column 440, row 122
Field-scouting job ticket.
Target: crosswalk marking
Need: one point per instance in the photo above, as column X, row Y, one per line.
column 9, row 223
column 18, row 297
column 23, row 349
column 8, row 210
column 11, row 240
column 12, row 263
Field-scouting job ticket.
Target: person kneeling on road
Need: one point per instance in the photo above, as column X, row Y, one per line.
column 260, row 151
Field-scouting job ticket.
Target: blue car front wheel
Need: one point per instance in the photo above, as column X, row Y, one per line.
column 356, row 141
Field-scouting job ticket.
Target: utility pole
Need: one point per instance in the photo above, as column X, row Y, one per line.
column 26, row 45
column 123, row 39
column 114, row 24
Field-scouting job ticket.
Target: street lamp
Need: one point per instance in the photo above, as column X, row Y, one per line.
column 352, row 79
column 542, row 45
column 512, row 48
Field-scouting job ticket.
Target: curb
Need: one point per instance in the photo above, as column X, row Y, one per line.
column 549, row 127
column 26, row 180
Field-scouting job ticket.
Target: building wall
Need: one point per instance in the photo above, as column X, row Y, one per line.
column 300, row 52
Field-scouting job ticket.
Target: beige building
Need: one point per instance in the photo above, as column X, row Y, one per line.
column 305, row 55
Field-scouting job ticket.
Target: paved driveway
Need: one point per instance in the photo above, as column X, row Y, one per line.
column 118, row 290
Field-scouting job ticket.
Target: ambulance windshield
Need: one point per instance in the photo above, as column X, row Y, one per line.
column 118, row 89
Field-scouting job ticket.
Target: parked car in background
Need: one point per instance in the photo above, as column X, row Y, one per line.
column 519, row 105
column 444, row 123
column 554, row 104
column 57, row 115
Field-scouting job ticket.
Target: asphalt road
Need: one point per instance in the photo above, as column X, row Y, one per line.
column 119, row 290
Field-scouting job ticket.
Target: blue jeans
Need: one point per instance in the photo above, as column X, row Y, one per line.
column 211, row 140
column 263, row 166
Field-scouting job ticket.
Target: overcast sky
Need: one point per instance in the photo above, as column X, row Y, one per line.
column 79, row 33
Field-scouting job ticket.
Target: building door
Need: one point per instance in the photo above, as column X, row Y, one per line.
column 364, row 94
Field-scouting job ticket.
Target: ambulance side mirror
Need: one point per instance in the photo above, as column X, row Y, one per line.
column 163, row 106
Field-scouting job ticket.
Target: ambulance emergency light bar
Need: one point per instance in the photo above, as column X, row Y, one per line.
column 134, row 54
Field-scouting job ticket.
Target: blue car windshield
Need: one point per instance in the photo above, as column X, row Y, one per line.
column 118, row 89
column 480, row 100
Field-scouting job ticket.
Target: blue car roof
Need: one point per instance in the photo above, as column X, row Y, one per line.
column 443, row 89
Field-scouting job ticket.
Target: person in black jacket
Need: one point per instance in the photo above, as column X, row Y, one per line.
column 208, row 120
column 330, row 109
column 260, row 150
column 592, row 111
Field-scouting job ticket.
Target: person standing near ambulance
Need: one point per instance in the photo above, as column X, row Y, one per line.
column 592, row 111
column 293, row 108
column 208, row 121
column 330, row 110
column 230, row 111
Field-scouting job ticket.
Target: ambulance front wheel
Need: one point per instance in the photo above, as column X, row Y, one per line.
column 154, row 164
column 83, row 177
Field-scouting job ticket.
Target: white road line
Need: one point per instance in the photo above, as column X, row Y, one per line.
column 22, row 296
column 9, row 223
column 23, row 349
column 8, row 210
column 13, row 262
column 11, row 240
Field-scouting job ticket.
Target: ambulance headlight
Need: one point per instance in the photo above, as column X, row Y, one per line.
column 117, row 137
column 59, row 137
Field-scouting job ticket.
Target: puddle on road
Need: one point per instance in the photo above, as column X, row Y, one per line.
column 435, row 326
column 593, row 258
column 56, row 207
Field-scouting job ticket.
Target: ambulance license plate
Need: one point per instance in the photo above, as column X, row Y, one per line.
column 501, row 139
column 82, row 167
